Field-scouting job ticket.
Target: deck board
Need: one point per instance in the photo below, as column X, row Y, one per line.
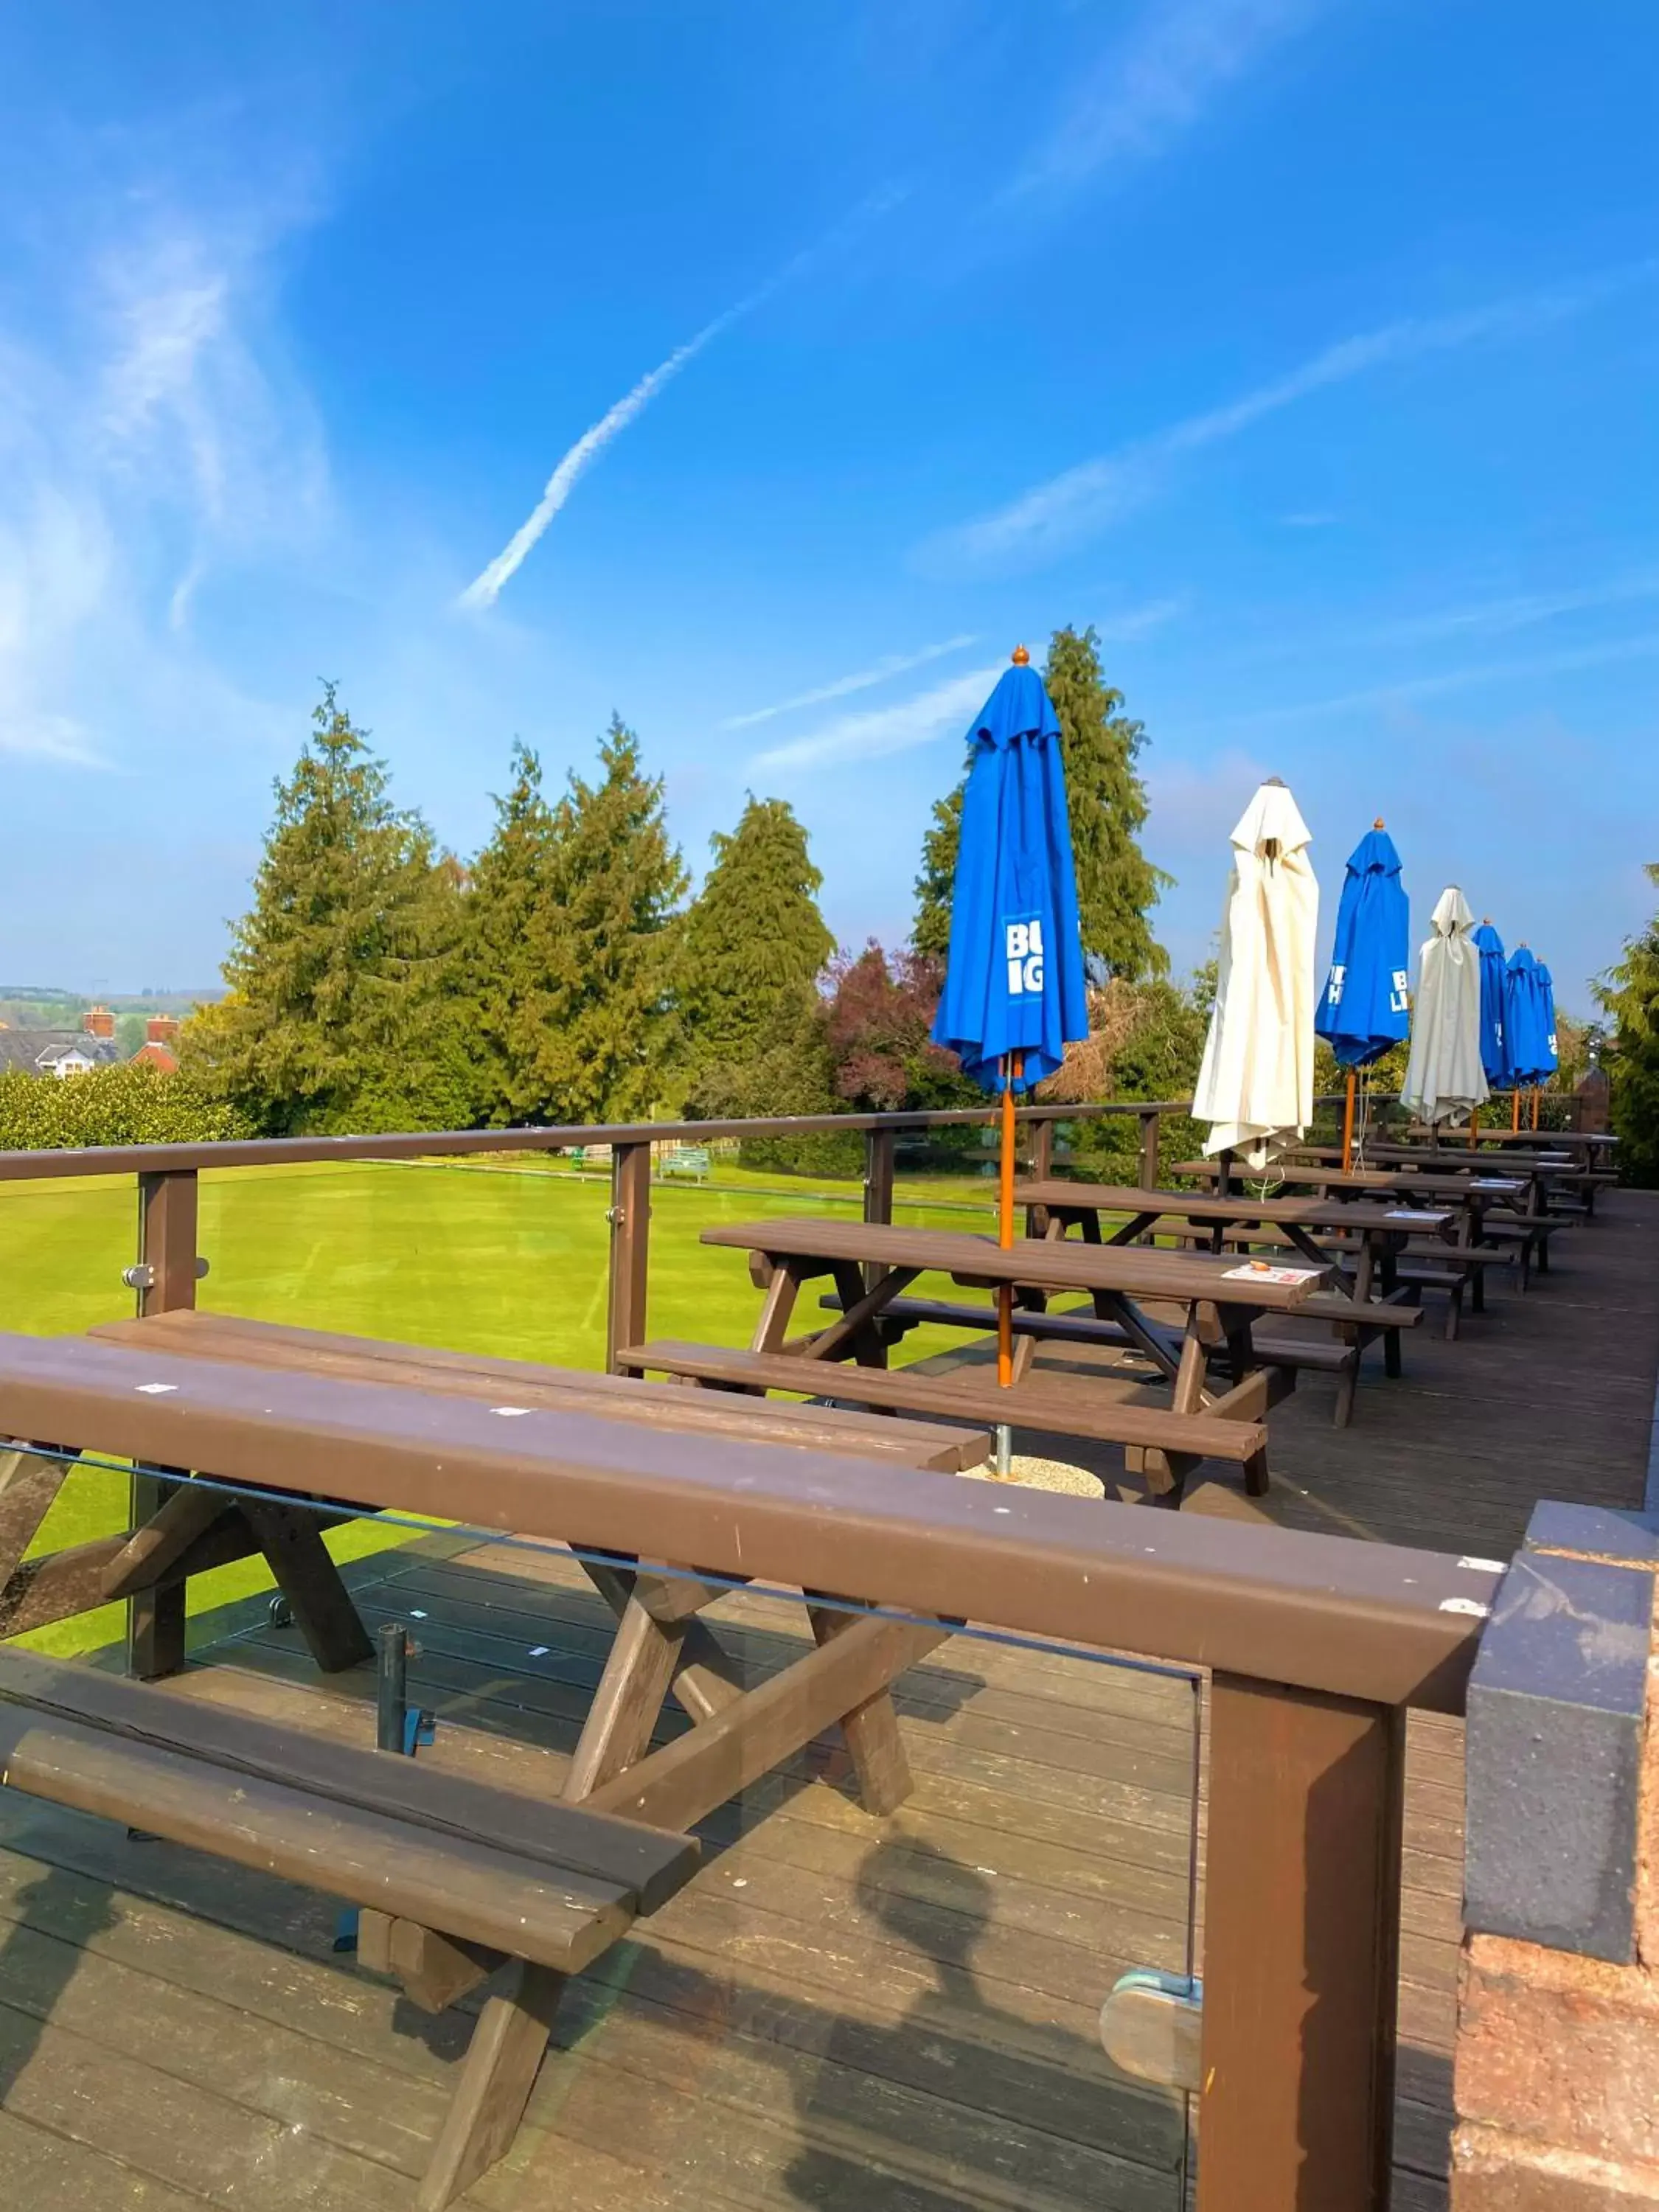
column 881, row 2015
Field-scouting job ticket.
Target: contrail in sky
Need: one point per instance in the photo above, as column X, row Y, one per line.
column 486, row 587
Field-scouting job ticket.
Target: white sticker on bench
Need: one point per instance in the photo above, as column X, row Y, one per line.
column 509, row 1413
column 539, row 1651
column 1484, row 1566
column 1258, row 1271
column 154, row 1390
column 1466, row 1605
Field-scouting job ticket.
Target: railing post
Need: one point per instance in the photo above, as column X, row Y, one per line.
column 165, row 1280
column 1150, row 1124
column 878, row 1148
column 1301, row 1952
column 629, row 1216
column 1042, row 1166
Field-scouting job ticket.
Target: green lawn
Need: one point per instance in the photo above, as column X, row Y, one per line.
column 475, row 1260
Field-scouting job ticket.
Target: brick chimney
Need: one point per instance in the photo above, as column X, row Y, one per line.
column 161, row 1029
column 98, row 1022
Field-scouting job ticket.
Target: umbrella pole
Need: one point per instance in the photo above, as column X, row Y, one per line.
column 1537, row 1101
column 1514, row 1111
column 1347, row 1126
column 1013, row 1066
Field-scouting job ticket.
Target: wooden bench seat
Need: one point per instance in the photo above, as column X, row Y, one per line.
column 454, row 1878
column 527, row 1382
column 1058, row 1405
column 1274, row 1347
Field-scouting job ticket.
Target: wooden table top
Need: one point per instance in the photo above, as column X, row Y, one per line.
column 1414, row 1182
column 1310, row 1212
column 1134, row 1270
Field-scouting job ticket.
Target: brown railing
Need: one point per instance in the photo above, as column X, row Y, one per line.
column 1317, row 1646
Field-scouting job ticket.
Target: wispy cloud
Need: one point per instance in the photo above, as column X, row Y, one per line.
column 1157, row 85
column 1138, row 621
column 1089, row 498
column 1565, row 663
column 486, row 587
column 864, row 679
column 1527, row 610
column 156, row 437
column 884, row 730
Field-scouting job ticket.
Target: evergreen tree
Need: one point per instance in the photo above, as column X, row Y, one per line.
column 512, row 918
column 1116, row 886
column 1630, row 995
column 931, row 932
column 754, row 941
column 342, row 1012
column 606, row 943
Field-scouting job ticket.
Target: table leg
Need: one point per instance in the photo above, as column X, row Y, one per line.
column 870, row 1729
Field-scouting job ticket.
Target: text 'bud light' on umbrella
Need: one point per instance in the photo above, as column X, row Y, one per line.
column 1013, row 994
column 1494, row 1055
column 1445, row 1080
column 1013, row 977
column 1255, row 1081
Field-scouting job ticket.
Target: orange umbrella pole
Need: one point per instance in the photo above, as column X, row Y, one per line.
column 1013, row 1067
column 1347, row 1126
column 1514, row 1111
column 1537, row 1101
column 1475, row 1125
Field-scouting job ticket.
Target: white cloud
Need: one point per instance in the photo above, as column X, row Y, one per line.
column 865, row 679
column 1084, row 500
column 1495, row 617
column 158, row 438
column 1610, row 655
column 885, row 730
column 1138, row 621
column 1157, row 85
column 486, row 587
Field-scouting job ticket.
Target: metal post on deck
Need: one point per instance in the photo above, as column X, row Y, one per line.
column 165, row 1277
column 879, row 1146
column 1301, row 1950
column 629, row 1216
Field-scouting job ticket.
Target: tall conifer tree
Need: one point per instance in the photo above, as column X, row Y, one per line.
column 755, row 942
column 606, row 943
column 1116, row 886
column 512, row 920
column 340, row 1014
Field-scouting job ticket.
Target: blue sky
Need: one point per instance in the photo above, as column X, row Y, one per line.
column 1309, row 352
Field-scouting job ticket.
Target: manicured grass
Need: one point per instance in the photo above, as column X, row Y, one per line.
column 512, row 1263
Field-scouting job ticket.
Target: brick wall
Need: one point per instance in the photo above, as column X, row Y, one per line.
column 1557, row 2039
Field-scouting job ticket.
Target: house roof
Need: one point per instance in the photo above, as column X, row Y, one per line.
column 34, row 1051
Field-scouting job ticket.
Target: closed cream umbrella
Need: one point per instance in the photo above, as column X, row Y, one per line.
column 1446, row 1080
column 1255, row 1084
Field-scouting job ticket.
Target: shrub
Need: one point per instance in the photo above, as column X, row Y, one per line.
column 132, row 1102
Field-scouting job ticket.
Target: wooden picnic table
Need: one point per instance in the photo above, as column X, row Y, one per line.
column 1366, row 1302
column 873, row 1266
column 272, row 1435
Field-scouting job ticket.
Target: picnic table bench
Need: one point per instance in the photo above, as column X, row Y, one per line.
column 1496, row 1210
column 873, row 1266
column 452, row 1880
column 1367, row 1303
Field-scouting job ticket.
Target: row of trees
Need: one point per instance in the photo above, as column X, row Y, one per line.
column 561, row 975
column 1631, row 996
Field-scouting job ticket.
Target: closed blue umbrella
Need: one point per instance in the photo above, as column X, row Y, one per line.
column 1365, row 1008
column 1494, row 1053
column 1013, row 980
column 1529, row 1020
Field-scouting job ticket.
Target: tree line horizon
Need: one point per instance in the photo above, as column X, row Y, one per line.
column 563, row 974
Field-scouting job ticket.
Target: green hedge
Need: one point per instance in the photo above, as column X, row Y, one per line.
column 131, row 1103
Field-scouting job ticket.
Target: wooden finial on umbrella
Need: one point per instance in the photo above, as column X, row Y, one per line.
column 1378, row 823
column 1022, row 656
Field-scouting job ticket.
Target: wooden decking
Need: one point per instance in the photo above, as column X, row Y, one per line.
column 839, row 2013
